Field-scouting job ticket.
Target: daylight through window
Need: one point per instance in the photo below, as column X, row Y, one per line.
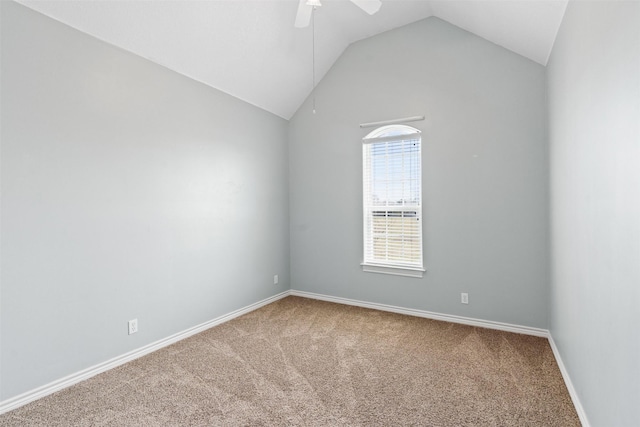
column 392, row 181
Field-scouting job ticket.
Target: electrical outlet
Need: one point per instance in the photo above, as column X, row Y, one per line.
column 275, row 279
column 133, row 326
column 464, row 298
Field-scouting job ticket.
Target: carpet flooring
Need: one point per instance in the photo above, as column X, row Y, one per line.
column 302, row 362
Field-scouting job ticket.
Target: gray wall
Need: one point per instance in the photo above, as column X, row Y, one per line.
column 594, row 127
column 128, row 191
column 485, row 177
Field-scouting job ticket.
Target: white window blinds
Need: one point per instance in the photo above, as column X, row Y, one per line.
column 392, row 181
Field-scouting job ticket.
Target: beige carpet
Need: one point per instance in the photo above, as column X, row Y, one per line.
column 311, row 363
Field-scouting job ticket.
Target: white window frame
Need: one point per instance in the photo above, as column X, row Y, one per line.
column 370, row 263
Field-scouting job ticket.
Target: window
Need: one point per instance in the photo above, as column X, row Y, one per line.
column 392, row 184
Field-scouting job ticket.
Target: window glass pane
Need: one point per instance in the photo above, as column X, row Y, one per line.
column 392, row 187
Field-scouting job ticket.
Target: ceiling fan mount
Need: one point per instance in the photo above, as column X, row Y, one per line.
column 305, row 8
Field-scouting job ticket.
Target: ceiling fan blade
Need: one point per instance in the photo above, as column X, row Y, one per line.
column 303, row 17
column 369, row 6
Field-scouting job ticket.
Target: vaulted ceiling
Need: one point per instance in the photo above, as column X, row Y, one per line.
column 251, row 50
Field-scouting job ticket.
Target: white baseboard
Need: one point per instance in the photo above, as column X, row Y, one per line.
column 526, row 330
column 47, row 389
column 567, row 381
column 52, row 387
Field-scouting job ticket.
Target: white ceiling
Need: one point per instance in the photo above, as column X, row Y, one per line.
column 251, row 50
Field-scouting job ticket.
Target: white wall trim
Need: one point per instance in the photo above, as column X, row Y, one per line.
column 526, row 330
column 567, row 381
column 393, row 269
column 52, row 387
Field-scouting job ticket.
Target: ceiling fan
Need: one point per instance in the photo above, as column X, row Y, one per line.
column 305, row 7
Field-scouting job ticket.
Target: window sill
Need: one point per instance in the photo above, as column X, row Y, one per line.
column 393, row 270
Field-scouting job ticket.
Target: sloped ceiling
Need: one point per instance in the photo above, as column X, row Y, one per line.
column 251, row 50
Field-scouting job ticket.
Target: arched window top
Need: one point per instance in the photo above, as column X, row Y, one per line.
column 392, row 132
